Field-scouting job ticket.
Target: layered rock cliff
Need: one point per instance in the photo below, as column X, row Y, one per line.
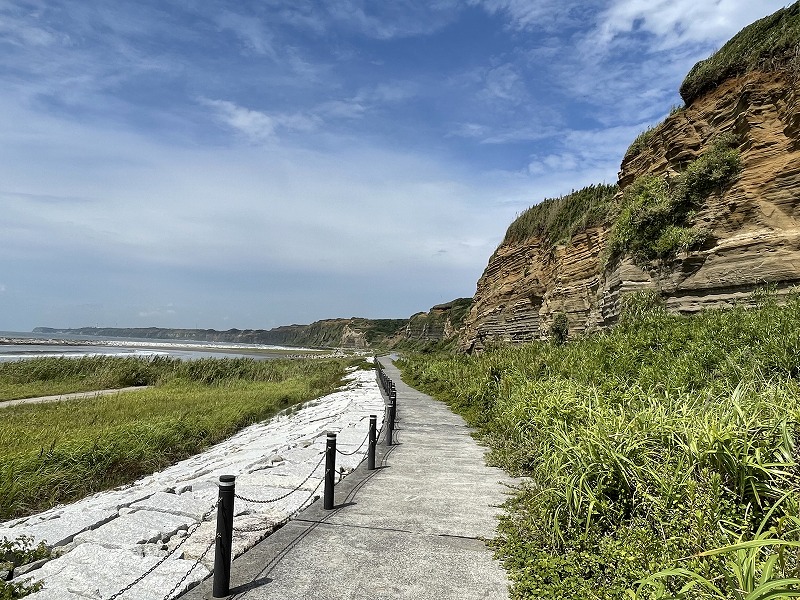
column 753, row 225
column 441, row 324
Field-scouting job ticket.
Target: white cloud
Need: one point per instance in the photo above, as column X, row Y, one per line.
column 392, row 20
column 235, row 208
column 546, row 15
column 504, row 83
column 255, row 125
column 258, row 126
column 675, row 23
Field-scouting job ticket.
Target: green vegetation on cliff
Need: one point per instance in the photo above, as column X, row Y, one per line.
column 769, row 43
column 644, row 446
column 328, row 333
column 653, row 219
column 436, row 329
column 558, row 219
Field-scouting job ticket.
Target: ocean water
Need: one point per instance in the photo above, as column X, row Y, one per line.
column 16, row 345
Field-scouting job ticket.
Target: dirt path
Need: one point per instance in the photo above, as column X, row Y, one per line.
column 76, row 395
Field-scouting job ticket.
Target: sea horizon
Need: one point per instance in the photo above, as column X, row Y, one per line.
column 21, row 345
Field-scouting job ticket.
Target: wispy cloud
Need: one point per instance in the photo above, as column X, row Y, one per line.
column 259, row 159
column 255, row 125
column 675, row 23
column 250, row 31
column 391, row 20
column 545, row 15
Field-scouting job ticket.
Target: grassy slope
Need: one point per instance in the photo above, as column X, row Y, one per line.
column 59, row 452
column 660, row 439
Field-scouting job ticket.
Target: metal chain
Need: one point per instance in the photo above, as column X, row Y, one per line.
column 356, row 450
column 286, row 495
column 189, row 532
column 255, row 529
column 192, row 568
column 194, row 527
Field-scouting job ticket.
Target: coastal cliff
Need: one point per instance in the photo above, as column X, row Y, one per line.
column 440, row 324
column 741, row 235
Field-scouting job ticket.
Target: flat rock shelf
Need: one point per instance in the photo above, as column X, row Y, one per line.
column 109, row 540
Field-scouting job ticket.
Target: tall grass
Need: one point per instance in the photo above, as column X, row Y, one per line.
column 769, row 43
column 59, row 452
column 645, row 446
column 558, row 219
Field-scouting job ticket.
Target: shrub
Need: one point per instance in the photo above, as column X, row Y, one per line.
column 640, row 143
column 655, row 210
column 665, row 443
column 559, row 329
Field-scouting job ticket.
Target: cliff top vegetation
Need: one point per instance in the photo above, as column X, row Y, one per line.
column 769, row 43
column 558, row 219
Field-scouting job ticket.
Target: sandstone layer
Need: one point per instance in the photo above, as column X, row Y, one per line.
column 755, row 225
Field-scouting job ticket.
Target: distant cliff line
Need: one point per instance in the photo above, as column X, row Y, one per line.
column 439, row 325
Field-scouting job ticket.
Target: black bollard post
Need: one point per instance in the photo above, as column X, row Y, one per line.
column 390, row 423
column 373, row 426
column 222, row 551
column 330, row 470
column 393, row 403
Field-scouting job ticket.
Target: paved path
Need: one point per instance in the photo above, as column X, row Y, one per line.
column 74, row 396
column 411, row 529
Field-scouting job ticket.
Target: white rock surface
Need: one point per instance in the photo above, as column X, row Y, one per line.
column 113, row 537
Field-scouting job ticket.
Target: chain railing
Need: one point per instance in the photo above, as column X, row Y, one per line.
column 164, row 558
column 388, row 387
column 223, row 540
column 225, row 526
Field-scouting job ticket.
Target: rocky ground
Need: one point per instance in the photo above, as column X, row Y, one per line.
column 167, row 521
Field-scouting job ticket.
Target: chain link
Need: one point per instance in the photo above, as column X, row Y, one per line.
column 160, row 562
column 252, row 529
column 256, row 529
column 356, row 450
column 287, row 494
column 192, row 568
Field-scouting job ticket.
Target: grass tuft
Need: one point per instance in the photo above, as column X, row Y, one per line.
column 558, row 219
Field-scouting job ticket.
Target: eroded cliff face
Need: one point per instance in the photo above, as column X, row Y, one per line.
column 755, row 227
column 441, row 323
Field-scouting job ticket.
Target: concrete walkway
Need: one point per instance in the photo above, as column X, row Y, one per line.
column 410, row 529
column 73, row 396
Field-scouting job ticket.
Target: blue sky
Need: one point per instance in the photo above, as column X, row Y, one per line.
column 252, row 164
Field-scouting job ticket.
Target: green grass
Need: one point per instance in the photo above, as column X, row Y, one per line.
column 769, row 43
column 59, row 452
column 558, row 219
column 645, row 446
column 51, row 376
